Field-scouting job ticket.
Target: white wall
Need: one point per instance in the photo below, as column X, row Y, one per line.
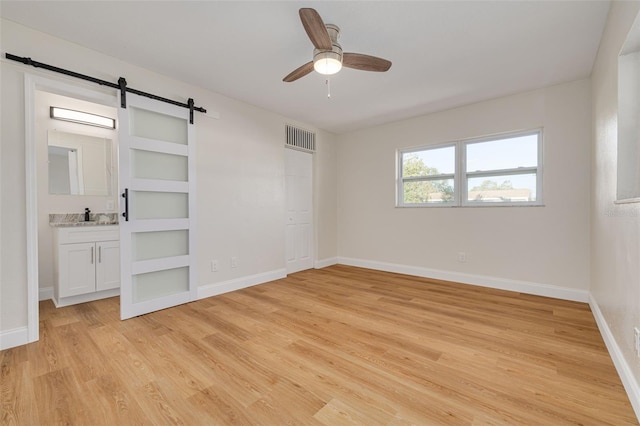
column 325, row 182
column 533, row 248
column 615, row 229
column 239, row 170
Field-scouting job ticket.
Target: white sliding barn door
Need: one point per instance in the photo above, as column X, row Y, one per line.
column 299, row 217
column 157, row 173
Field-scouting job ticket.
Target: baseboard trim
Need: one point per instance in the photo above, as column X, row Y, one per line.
column 239, row 283
column 14, row 337
column 319, row 264
column 45, row 293
column 629, row 381
column 527, row 287
column 83, row 298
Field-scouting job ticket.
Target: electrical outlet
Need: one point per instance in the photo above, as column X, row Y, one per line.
column 636, row 340
column 235, row 261
column 214, row 265
column 110, row 206
column 462, row 257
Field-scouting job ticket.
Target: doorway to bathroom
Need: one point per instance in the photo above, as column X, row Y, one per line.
column 40, row 94
column 77, row 179
column 151, row 279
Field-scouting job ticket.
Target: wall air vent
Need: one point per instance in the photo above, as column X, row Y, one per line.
column 300, row 139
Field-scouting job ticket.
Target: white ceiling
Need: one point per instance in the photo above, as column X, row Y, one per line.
column 444, row 53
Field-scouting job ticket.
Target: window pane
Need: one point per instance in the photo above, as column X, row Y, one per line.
column 502, row 189
column 159, row 244
column 160, row 283
column 158, row 165
column 428, row 192
column 158, row 205
column 153, row 125
column 509, row 153
column 429, row 162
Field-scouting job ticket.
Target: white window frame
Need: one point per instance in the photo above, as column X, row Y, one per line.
column 461, row 176
column 441, row 176
column 628, row 166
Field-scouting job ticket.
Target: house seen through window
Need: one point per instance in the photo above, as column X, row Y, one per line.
column 497, row 170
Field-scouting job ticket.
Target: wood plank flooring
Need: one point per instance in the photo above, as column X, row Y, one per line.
column 336, row 346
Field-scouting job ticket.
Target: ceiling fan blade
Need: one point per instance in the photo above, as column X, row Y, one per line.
column 314, row 26
column 299, row 72
column 365, row 62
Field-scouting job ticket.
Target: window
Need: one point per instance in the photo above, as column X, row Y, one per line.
column 628, row 183
column 498, row 170
column 428, row 175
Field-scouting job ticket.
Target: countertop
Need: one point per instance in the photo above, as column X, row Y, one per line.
column 57, row 220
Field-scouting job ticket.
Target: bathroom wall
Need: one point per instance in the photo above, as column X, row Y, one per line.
column 48, row 203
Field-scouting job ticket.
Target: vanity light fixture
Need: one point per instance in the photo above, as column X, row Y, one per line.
column 81, row 117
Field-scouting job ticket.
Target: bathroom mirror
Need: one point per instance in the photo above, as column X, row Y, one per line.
column 79, row 164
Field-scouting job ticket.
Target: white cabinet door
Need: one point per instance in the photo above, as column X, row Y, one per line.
column 107, row 265
column 77, row 269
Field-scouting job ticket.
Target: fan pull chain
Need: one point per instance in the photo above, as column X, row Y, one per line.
column 328, row 83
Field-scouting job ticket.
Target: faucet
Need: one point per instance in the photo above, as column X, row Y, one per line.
column 87, row 216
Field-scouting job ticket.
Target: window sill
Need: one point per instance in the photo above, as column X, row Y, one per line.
column 482, row 206
column 627, row 201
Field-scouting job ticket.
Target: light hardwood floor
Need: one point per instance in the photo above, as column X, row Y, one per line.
column 340, row 345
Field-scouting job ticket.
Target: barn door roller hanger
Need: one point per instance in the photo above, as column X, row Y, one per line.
column 121, row 85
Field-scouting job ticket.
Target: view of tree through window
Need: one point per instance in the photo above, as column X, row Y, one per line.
column 489, row 185
column 495, row 170
column 425, row 191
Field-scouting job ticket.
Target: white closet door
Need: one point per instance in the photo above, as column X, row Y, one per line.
column 157, row 174
column 299, row 211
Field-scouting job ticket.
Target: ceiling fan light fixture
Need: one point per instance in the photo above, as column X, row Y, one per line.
column 328, row 57
column 328, row 62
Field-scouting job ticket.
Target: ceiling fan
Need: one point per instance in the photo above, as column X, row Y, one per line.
column 328, row 57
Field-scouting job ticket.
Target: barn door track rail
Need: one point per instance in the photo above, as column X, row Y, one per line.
column 120, row 85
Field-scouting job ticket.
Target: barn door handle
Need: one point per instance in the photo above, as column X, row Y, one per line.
column 125, row 195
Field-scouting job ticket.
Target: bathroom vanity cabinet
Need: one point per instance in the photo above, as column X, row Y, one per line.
column 87, row 264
